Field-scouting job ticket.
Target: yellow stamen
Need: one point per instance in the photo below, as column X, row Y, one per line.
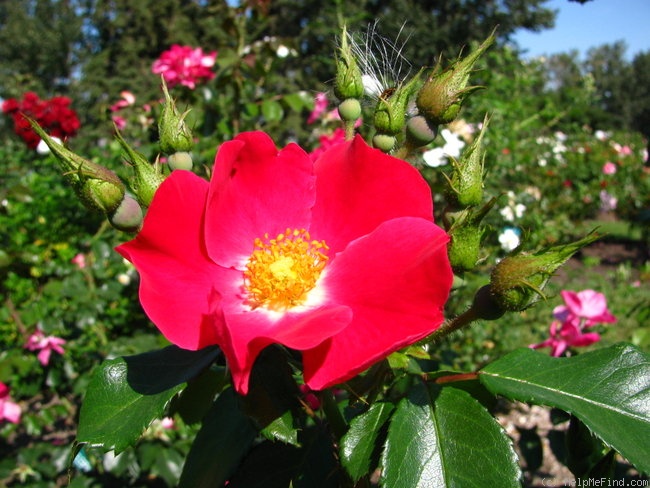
column 280, row 272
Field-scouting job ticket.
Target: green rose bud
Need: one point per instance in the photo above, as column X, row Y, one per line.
column 485, row 306
column 442, row 95
column 384, row 142
column 146, row 177
column 350, row 110
column 348, row 82
column 97, row 187
column 173, row 132
column 466, row 233
column 518, row 281
column 128, row 216
column 390, row 112
column 419, row 133
column 465, row 188
column 180, row 160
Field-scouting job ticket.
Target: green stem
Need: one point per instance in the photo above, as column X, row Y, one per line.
column 454, row 324
column 405, row 152
column 348, row 125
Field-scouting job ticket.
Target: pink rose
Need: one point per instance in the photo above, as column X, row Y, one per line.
column 45, row 345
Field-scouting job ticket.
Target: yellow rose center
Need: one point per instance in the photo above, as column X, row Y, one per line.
column 280, row 272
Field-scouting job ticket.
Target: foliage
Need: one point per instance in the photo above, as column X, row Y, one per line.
column 121, row 407
column 39, row 46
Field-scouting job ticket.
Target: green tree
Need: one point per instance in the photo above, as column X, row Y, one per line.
column 125, row 37
column 433, row 28
column 39, row 46
column 573, row 91
column 612, row 74
column 641, row 94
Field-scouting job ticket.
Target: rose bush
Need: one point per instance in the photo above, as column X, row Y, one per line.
column 185, row 65
column 339, row 258
column 54, row 115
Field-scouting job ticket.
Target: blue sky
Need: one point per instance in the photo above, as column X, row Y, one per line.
column 582, row 26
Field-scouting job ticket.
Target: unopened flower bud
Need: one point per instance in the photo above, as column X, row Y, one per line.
column 97, row 187
column 348, row 82
column 180, row 160
column 390, row 113
column 466, row 233
column 384, row 142
column 485, row 306
column 442, row 95
column 173, row 132
column 419, row 132
column 350, row 110
column 128, row 216
column 146, row 177
column 518, row 280
column 465, row 187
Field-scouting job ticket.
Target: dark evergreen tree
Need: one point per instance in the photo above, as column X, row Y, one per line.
column 640, row 90
column 125, row 37
column 433, row 28
column 39, row 46
column 612, row 75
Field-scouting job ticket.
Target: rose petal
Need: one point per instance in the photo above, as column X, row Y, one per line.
column 255, row 189
column 176, row 274
column 10, row 411
column 588, row 304
column 396, row 280
column 247, row 333
column 358, row 188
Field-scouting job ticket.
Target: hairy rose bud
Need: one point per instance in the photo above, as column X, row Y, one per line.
column 348, row 82
column 466, row 184
column 518, row 281
column 180, row 160
column 173, row 132
column 466, row 232
column 97, row 187
column 128, row 216
column 146, row 176
column 443, row 93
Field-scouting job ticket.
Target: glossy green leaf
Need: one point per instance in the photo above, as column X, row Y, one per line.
column 273, row 396
column 277, row 465
column 272, row 111
column 282, row 429
column 197, row 397
column 359, row 442
column 224, row 438
column 299, row 101
column 442, row 437
column 125, row 394
column 608, row 389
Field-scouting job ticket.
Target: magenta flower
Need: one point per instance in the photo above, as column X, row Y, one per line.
column 127, row 100
column 120, row 122
column 609, row 168
column 587, row 305
column 566, row 335
column 9, row 410
column 45, row 345
column 328, row 141
column 320, row 106
column 338, row 258
column 184, row 65
column 79, row 260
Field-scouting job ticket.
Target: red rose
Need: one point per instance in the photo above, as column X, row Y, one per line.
column 338, row 258
column 54, row 115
